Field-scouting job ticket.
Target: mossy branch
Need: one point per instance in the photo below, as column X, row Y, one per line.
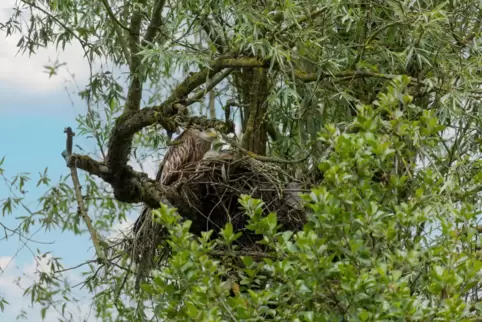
column 129, row 186
column 134, row 93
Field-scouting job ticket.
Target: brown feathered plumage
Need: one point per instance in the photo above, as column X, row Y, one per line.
column 189, row 147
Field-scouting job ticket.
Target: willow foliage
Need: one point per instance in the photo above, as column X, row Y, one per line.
column 383, row 96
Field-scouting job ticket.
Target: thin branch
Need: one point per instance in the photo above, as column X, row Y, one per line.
column 209, row 86
column 312, row 77
column 120, row 35
column 227, row 108
column 272, row 132
column 156, row 22
column 212, row 106
column 243, row 253
column 134, row 93
column 112, row 15
column 312, row 15
column 212, row 33
column 233, row 103
column 60, row 23
column 78, row 195
column 20, row 235
column 76, row 266
column 196, row 79
column 228, row 310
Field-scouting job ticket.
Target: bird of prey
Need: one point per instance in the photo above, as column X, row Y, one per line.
column 189, row 147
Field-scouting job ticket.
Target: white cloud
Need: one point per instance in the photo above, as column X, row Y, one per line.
column 12, row 289
column 7, row 286
column 17, row 70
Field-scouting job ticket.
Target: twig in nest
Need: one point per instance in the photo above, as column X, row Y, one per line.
column 78, row 195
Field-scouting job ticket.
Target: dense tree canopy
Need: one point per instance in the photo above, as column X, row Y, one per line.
column 372, row 104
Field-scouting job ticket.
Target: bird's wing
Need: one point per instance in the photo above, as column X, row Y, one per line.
column 177, row 155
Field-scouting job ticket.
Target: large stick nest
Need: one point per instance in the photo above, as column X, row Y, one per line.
column 210, row 191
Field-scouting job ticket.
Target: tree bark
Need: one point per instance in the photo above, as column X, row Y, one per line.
column 253, row 88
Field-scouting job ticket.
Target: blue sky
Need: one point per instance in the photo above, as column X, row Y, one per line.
column 31, row 139
column 34, row 111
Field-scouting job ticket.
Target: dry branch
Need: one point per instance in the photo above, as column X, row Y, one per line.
column 78, row 195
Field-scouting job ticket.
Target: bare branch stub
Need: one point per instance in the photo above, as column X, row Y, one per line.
column 70, row 139
column 78, row 195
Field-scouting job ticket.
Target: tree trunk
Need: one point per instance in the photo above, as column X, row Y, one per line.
column 253, row 90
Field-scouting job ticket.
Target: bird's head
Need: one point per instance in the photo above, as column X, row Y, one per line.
column 209, row 135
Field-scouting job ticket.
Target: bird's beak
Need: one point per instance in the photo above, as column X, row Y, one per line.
column 212, row 134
